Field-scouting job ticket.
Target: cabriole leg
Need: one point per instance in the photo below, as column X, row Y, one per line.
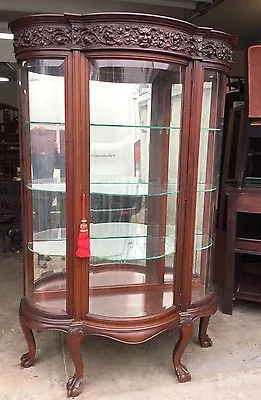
column 186, row 332
column 204, row 339
column 27, row 359
column 74, row 339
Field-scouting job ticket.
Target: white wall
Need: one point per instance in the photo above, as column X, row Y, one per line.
column 6, row 51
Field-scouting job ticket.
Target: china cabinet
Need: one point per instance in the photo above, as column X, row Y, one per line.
column 120, row 130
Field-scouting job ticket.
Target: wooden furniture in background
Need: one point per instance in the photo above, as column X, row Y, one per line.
column 233, row 166
column 241, row 282
column 9, row 140
column 126, row 90
column 254, row 79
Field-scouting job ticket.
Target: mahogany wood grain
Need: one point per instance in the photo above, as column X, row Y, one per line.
column 69, row 168
column 73, row 343
column 27, row 359
column 186, row 332
column 192, row 179
column 204, row 339
column 182, row 187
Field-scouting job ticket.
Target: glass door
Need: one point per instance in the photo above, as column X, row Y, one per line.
column 135, row 123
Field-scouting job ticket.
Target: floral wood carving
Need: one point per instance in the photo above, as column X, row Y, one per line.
column 42, row 36
column 185, row 319
column 76, row 330
column 88, row 36
column 216, row 50
column 135, row 36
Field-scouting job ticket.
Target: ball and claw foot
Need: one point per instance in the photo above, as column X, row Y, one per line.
column 205, row 341
column 74, row 386
column 182, row 373
column 26, row 361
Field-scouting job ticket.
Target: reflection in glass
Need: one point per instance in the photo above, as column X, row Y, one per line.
column 44, row 128
column 134, row 172
column 208, row 175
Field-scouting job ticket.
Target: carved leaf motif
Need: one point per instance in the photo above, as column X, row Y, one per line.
column 217, row 50
column 186, row 319
column 42, row 36
column 124, row 36
column 76, row 330
column 136, row 36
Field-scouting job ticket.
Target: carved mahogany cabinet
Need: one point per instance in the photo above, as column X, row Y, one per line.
column 121, row 118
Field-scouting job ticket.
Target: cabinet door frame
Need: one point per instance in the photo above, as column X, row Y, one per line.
column 182, row 172
column 194, row 125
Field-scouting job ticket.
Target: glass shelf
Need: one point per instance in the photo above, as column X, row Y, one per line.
column 111, row 249
column 110, row 230
column 131, row 187
column 47, row 185
column 42, row 123
column 116, row 242
column 175, row 128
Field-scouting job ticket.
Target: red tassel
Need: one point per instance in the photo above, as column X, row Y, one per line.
column 83, row 249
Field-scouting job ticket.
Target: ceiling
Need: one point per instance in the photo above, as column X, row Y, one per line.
column 10, row 10
column 240, row 18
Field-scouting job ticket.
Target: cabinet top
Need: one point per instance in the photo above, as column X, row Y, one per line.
column 120, row 32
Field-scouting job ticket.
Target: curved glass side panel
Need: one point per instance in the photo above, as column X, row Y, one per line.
column 44, row 180
column 135, row 114
column 208, row 177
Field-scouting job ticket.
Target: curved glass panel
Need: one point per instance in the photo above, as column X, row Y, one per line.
column 135, row 117
column 44, row 152
column 208, row 172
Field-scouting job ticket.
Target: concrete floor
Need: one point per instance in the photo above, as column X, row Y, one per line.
column 231, row 369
